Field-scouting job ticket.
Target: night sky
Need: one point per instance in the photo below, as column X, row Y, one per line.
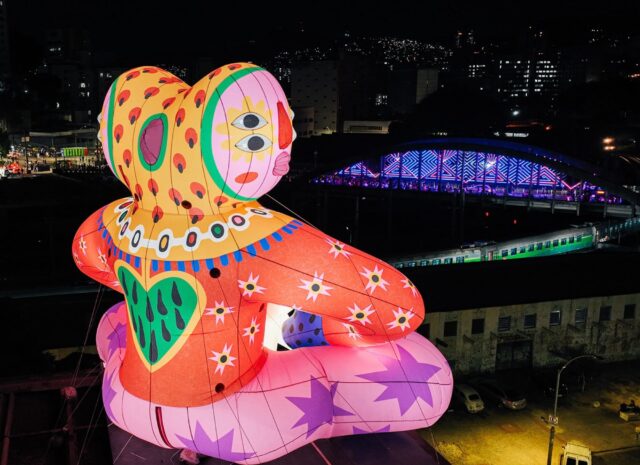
column 141, row 31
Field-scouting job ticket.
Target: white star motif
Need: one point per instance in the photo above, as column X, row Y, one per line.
column 374, row 278
column 401, row 319
column 337, row 248
column 223, row 358
column 252, row 329
column 353, row 334
column 77, row 259
column 360, row 314
column 250, row 286
column 219, row 310
column 409, row 285
column 315, row 286
column 102, row 257
column 82, row 245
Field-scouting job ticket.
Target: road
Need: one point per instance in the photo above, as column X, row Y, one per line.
column 501, row 437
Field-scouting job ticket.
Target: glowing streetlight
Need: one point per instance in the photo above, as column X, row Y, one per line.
column 554, row 418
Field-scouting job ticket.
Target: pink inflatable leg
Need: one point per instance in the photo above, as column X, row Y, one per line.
column 298, row 397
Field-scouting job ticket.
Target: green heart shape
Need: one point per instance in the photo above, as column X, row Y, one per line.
column 160, row 315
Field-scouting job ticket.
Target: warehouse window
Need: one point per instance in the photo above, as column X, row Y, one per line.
column 629, row 311
column 477, row 326
column 450, row 328
column 530, row 321
column 605, row 313
column 504, row 323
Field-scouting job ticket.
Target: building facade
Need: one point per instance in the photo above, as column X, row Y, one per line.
column 4, row 46
column 338, row 90
column 536, row 335
column 314, row 85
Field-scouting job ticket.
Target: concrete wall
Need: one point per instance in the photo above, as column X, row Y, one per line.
column 615, row 339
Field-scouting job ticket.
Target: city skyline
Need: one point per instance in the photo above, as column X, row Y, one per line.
column 186, row 33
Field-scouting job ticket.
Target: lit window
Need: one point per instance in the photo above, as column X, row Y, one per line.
column 555, row 317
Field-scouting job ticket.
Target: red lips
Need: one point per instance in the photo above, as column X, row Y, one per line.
column 246, row 178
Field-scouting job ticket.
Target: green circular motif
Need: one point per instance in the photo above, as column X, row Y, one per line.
column 163, row 145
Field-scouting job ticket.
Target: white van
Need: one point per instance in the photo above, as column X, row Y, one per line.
column 469, row 397
column 576, row 454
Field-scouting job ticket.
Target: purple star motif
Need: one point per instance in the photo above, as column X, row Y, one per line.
column 396, row 379
column 315, row 409
column 384, row 429
column 108, row 394
column 118, row 338
column 222, row 448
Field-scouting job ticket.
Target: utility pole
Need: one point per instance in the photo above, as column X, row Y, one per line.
column 554, row 419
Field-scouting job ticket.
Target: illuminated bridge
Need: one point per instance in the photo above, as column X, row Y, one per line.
column 496, row 170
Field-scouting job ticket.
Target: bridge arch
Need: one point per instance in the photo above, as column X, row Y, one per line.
column 492, row 168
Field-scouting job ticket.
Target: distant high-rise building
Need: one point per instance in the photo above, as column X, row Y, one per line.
column 463, row 39
column 104, row 78
column 338, row 90
column 407, row 87
column 304, row 121
column 5, row 69
column 68, row 59
column 314, row 86
column 535, row 75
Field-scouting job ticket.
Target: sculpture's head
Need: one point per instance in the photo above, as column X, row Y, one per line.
column 200, row 149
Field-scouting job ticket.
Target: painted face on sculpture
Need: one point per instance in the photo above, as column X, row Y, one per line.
column 225, row 139
column 251, row 136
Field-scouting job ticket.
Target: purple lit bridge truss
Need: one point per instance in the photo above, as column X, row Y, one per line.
column 471, row 172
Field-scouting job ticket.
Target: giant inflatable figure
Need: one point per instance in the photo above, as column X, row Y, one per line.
column 207, row 273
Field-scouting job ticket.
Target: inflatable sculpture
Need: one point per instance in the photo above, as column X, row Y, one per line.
column 212, row 281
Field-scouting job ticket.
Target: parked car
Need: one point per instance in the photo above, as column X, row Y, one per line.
column 468, row 397
column 504, row 396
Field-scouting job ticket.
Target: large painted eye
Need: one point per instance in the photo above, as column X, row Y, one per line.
column 254, row 143
column 249, row 121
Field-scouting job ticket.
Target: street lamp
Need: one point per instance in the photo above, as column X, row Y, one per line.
column 349, row 229
column 554, row 418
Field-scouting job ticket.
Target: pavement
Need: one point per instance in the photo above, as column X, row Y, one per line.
column 498, row 436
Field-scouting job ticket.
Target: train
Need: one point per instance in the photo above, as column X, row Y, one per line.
column 579, row 238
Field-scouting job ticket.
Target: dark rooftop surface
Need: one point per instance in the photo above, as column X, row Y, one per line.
column 364, row 449
column 489, row 284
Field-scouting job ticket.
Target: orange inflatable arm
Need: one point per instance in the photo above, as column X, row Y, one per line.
column 362, row 300
column 91, row 253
